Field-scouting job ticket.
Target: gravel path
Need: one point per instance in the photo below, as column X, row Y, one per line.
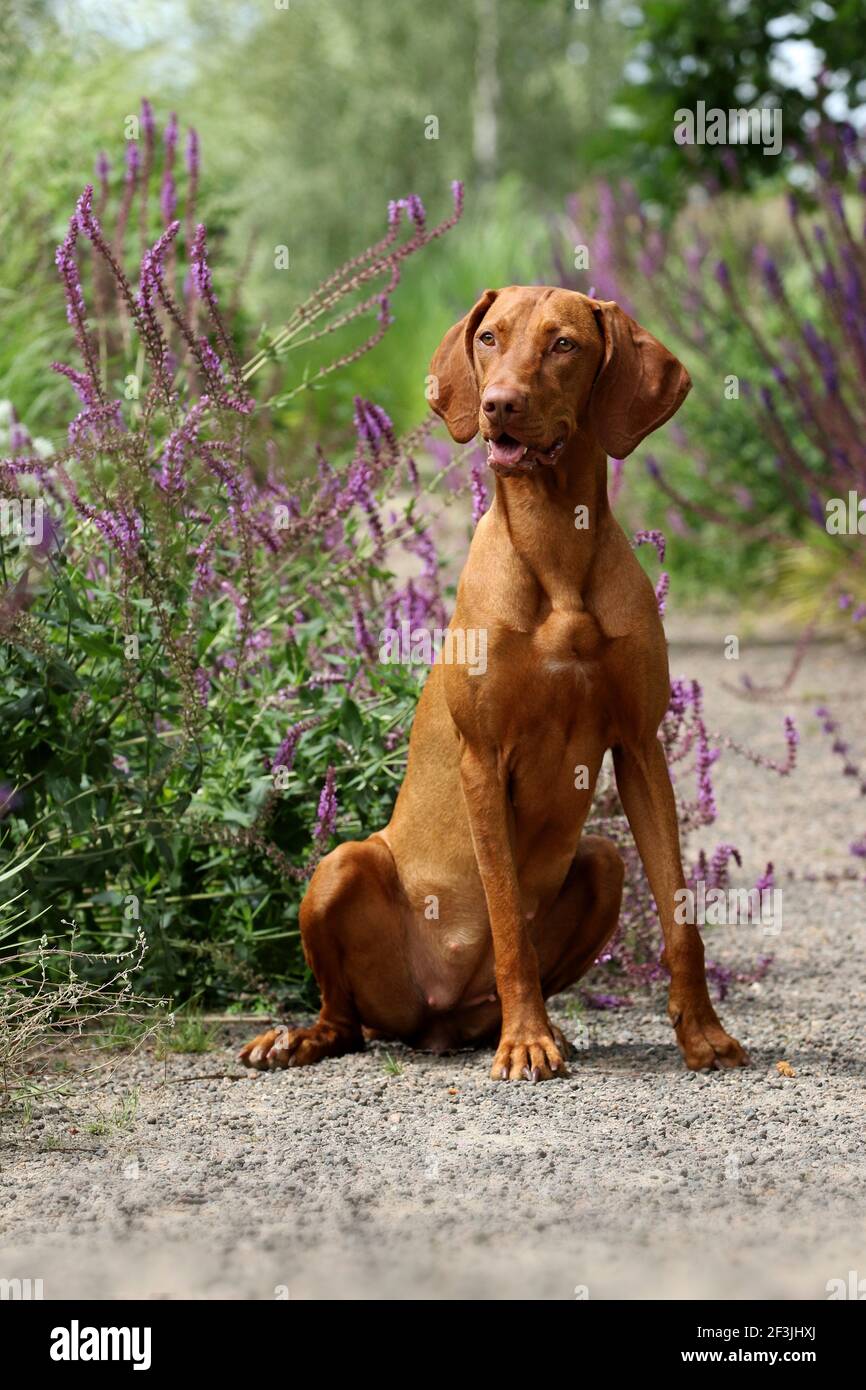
column 395, row 1174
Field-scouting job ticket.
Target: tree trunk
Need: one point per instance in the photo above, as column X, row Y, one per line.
column 484, row 124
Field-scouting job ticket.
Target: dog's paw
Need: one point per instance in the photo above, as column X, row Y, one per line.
column 703, row 1041
column 534, row 1059
column 297, row 1047
column 255, row 1053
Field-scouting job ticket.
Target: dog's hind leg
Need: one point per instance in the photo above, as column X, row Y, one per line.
column 353, row 929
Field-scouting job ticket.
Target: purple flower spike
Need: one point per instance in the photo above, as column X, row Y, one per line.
column 133, row 161
column 373, row 424
column 152, row 264
column 87, row 222
column 200, row 269
column 80, row 380
column 365, row 642
column 326, row 818
column 717, row 873
column 416, row 210
column 705, row 760
column 103, row 169
column 121, row 530
column 67, row 265
column 202, row 685
column 19, row 438
column 64, row 257
column 662, row 587
column 168, row 197
column 193, row 155
column 655, row 538
column 792, row 739
column 767, row 881
column 95, row 422
column 285, row 754
column 170, row 137
column 180, row 444
column 478, row 485
column 148, row 124
column 770, row 272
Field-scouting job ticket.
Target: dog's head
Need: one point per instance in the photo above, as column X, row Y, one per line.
column 529, row 366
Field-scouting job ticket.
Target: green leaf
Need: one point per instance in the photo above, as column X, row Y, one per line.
column 351, row 723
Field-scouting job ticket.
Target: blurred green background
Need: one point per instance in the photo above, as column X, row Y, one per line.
column 313, row 115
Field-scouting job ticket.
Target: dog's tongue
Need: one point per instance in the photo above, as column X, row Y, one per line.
column 506, row 451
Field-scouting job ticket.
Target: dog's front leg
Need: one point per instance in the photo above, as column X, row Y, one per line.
column 527, row 1048
column 647, row 796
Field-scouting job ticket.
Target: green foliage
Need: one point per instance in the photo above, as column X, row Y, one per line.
column 97, row 775
column 184, row 611
column 320, row 121
column 728, row 55
column 190, row 1035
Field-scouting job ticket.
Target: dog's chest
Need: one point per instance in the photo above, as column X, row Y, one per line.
column 569, row 642
column 551, row 682
column 546, row 685
column 573, row 685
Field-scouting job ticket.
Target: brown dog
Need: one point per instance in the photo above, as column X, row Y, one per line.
column 480, row 899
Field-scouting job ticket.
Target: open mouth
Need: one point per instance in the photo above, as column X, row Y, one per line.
column 505, row 454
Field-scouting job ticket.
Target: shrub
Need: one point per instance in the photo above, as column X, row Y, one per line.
column 194, row 705
column 187, row 666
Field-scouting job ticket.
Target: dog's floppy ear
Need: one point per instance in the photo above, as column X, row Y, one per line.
column 639, row 384
column 453, row 390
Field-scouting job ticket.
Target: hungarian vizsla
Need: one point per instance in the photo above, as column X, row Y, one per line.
column 480, row 899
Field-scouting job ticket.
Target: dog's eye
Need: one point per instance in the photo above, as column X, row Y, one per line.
column 564, row 345
column 487, row 339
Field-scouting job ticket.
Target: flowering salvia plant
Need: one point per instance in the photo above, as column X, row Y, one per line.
column 194, row 705
column 774, row 325
column 193, row 702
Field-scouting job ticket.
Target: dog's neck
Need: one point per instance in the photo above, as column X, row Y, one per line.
column 552, row 517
